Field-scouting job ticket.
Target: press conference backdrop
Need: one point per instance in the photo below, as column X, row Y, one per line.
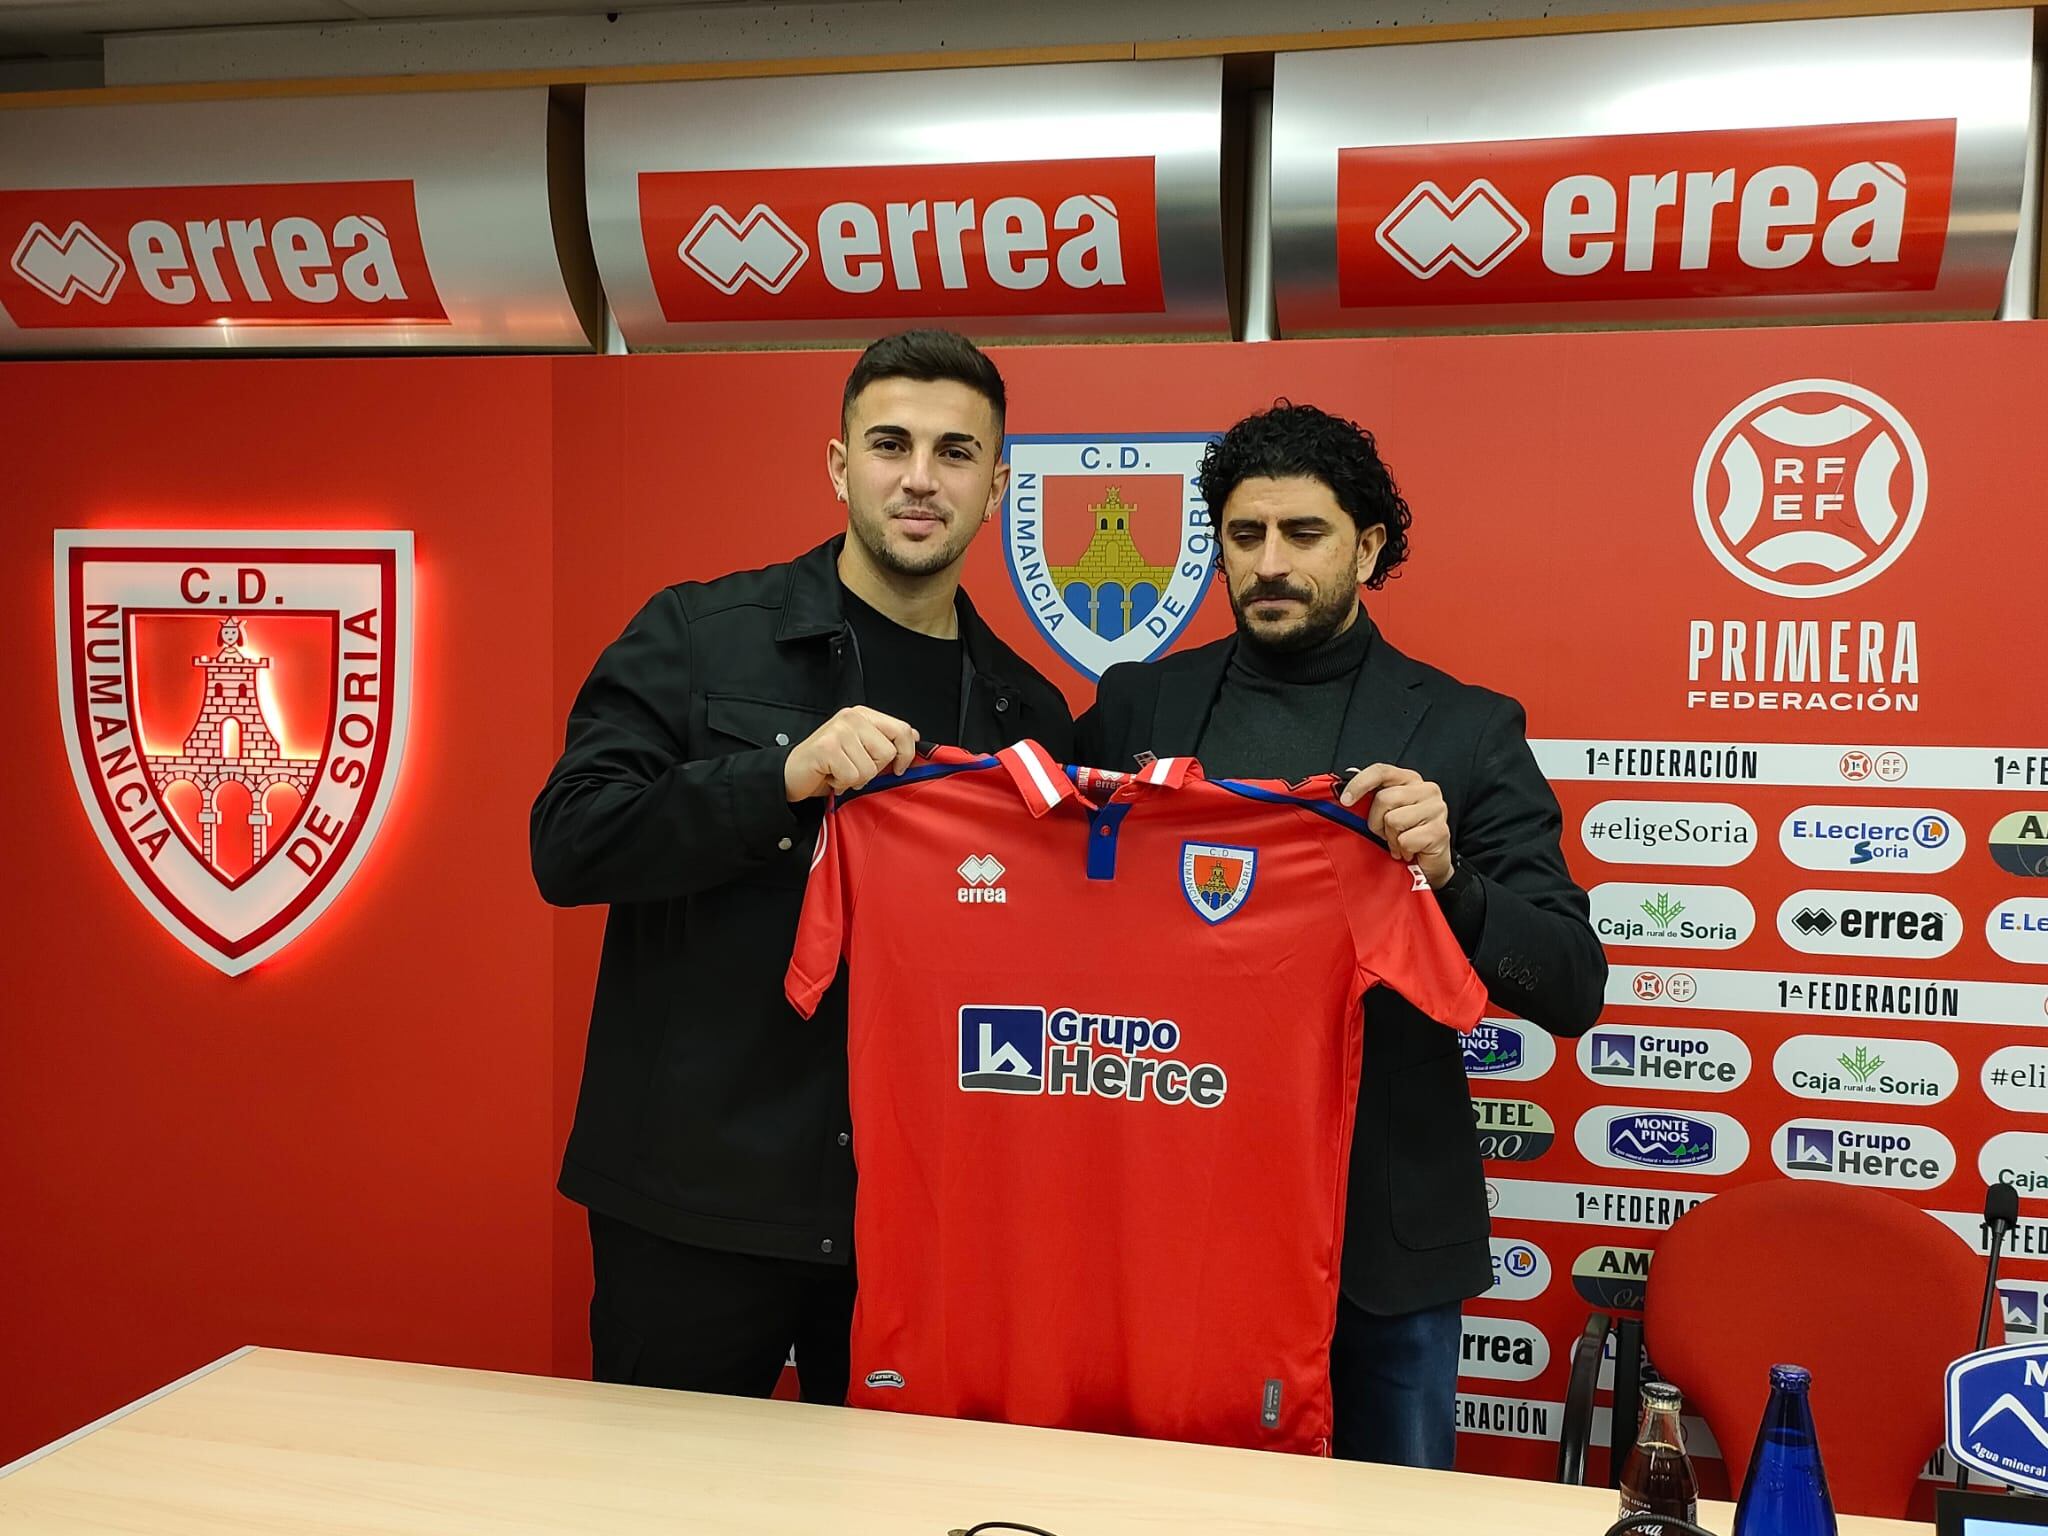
column 1770, row 598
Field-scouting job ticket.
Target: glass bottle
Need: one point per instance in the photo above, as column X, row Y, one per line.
column 1658, row 1476
column 1786, row 1492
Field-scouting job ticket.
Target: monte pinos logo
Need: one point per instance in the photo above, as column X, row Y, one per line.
column 234, row 708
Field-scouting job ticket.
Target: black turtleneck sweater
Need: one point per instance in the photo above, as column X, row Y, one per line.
column 1278, row 714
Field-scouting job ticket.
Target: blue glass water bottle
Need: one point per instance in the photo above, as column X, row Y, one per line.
column 1786, row 1492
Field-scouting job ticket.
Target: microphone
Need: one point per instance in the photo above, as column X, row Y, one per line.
column 2001, row 1215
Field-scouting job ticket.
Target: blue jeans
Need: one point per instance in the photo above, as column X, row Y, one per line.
column 1394, row 1385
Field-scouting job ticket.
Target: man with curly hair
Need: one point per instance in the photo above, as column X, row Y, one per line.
column 1306, row 513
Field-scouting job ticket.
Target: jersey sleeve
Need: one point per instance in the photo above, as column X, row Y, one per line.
column 1399, row 933
column 824, row 929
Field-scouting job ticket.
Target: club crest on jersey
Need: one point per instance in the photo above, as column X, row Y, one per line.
column 234, row 708
column 1108, row 541
column 1216, row 878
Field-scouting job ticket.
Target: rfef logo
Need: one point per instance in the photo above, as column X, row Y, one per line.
column 292, row 253
column 1997, row 1411
column 1108, row 542
column 235, row 707
column 1030, row 237
column 1810, row 488
column 1828, row 208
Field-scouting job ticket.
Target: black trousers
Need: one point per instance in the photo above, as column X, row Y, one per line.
column 666, row 1314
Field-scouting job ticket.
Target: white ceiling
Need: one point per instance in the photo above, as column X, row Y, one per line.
column 60, row 28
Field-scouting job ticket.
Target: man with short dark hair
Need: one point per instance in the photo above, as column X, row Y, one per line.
column 1306, row 512
column 712, row 1142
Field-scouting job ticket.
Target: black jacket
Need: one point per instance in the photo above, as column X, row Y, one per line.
column 710, row 1113
column 1415, row 1220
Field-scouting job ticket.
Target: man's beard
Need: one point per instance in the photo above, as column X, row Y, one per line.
column 1317, row 623
column 935, row 554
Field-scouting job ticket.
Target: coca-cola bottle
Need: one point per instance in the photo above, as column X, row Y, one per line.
column 1658, row 1477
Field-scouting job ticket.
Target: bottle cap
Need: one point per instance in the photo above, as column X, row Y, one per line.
column 1661, row 1395
column 1791, row 1378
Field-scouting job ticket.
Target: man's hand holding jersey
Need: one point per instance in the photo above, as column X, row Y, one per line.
column 1409, row 814
column 854, row 746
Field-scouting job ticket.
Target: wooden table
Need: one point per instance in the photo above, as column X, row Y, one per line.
column 321, row 1445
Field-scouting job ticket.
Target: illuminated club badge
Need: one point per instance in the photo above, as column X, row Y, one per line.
column 234, row 708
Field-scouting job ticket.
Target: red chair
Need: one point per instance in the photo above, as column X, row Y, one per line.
column 1871, row 1294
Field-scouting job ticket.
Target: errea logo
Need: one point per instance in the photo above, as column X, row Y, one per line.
column 729, row 253
column 1475, row 231
column 982, row 873
column 1827, row 208
column 336, row 252
column 851, row 242
column 63, row 268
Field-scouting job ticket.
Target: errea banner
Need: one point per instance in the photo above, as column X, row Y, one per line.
column 1831, row 208
column 302, row 224
column 1838, row 167
column 890, row 241
column 155, row 256
column 1051, row 200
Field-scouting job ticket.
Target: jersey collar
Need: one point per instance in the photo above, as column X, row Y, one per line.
column 1044, row 783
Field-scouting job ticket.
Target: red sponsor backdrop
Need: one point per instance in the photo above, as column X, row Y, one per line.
column 353, row 1148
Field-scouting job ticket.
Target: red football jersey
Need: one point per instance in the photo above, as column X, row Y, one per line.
column 1103, row 1042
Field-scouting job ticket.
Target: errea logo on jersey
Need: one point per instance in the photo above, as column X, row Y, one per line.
column 1055, row 237
column 1827, row 208
column 982, row 872
column 1026, row 1050
column 153, row 257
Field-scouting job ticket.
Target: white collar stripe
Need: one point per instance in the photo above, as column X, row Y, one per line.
column 1029, row 758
